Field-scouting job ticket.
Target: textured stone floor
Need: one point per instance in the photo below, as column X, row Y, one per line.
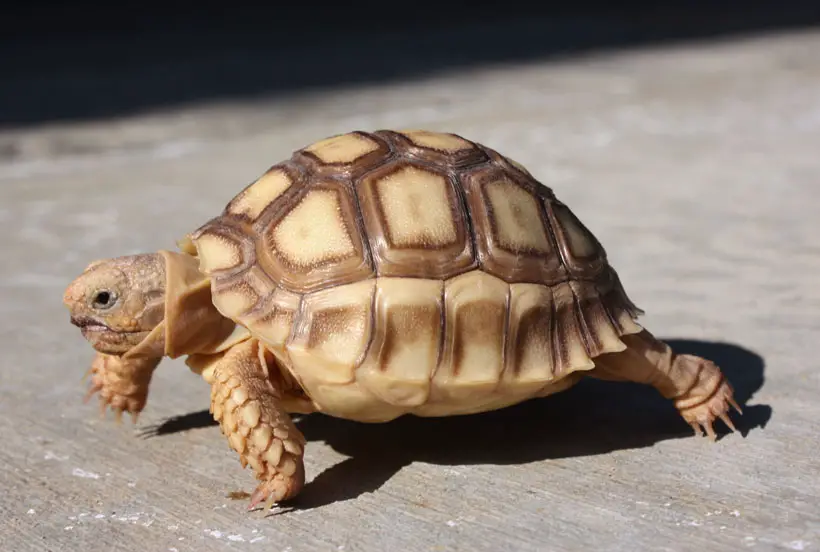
column 697, row 166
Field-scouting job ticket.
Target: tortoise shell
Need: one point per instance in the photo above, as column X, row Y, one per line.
column 414, row 272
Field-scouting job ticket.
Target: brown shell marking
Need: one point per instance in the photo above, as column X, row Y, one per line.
column 415, row 221
column 407, row 337
column 416, row 267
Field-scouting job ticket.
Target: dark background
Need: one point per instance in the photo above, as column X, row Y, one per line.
column 83, row 61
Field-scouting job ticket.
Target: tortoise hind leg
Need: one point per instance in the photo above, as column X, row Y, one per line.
column 698, row 388
column 249, row 410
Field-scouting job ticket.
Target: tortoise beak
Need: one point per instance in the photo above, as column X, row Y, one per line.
column 88, row 324
column 85, row 322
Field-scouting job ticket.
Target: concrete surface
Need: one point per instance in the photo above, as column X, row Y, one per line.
column 697, row 166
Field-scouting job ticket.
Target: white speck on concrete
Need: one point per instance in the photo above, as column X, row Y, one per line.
column 734, row 513
column 236, row 538
column 172, row 549
column 132, row 484
column 31, row 511
column 173, row 527
column 256, row 539
column 798, row 545
column 214, row 534
column 53, row 456
column 451, row 523
column 77, row 472
column 68, row 527
column 100, row 516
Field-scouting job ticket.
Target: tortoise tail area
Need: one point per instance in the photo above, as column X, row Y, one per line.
column 588, row 319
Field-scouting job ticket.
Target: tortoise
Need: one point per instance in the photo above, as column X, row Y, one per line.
column 374, row 275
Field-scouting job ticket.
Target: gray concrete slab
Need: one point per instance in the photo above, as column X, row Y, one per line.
column 696, row 166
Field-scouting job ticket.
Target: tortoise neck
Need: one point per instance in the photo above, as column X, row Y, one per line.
column 191, row 323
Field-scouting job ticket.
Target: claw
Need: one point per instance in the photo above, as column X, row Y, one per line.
column 87, row 373
column 102, row 409
column 734, row 404
column 90, row 392
column 134, row 417
column 728, row 421
column 258, row 496
column 710, row 431
column 118, row 415
column 696, row 428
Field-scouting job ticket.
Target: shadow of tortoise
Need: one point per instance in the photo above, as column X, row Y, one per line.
column 594, row 417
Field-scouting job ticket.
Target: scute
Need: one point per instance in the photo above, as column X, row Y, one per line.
column 330, row 337
column 313, row 232
column 530, row 345
column 473, row 349
column 253, row 200
column 218, row 252
column 344, row 149
column 415, row 219
column 344, row 155
column 512, row 232
column 317, row 242
column 333, row 330
column 436, row 148
column 407, row 334
column 581, row 252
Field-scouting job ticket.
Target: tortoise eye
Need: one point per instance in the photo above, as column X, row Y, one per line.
column 104, row 299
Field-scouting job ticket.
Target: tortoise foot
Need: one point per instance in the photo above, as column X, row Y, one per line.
column 276, row 489
column 702, row 415
column 121, row 385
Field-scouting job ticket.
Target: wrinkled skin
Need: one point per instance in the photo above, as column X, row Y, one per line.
column 116, row 303
column 121, row 384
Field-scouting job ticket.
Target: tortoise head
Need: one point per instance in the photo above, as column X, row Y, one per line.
column 117, row 302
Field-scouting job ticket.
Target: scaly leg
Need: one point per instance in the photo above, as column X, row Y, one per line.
column 698, row 387
column 249, row 410
column 122, row 384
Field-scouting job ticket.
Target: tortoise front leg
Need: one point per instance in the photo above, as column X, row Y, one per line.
column 699, row 389
column 122, row 383
column 249, row 410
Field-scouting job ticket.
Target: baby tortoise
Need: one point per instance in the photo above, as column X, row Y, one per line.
column 373, row 275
